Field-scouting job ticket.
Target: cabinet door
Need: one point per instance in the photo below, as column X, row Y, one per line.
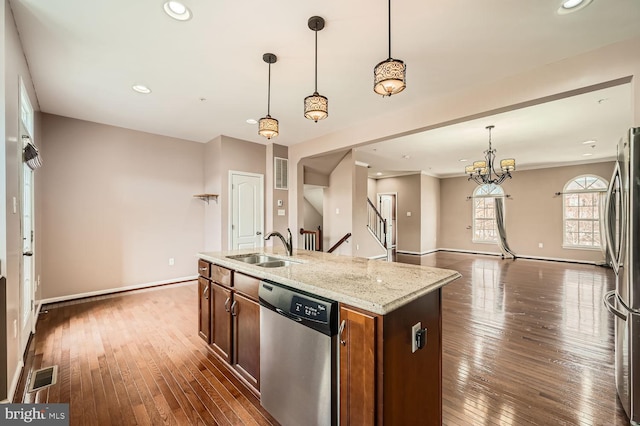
column 246, row 326
column 204, row 309
column 221, row 321
column 357, row 368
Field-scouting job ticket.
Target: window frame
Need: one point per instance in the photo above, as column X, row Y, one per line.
column 596, row 221
column 481, row 192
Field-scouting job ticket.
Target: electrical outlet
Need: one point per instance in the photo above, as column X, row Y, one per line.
column 414, row 330
column 357, row 246
column 172, row 261
column 540, row 245
column 408, row 214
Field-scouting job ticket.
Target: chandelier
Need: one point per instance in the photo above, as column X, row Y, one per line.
column 484, row 172
column 390, row 75
column 268, row 126
column 316, row 106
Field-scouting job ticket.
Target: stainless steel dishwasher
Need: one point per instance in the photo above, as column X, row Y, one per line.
column 298, row 356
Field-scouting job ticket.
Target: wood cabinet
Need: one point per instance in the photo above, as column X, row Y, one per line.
column 221, row 321
column 382, row 382
column 246, row 342
column 204, row 309
column 357, row 367
column 229, row 319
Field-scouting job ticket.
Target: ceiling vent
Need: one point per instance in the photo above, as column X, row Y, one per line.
column 281, row 173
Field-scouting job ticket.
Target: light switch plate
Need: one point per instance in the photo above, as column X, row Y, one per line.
column 280, row 203
column 281, row 212
column 408, row 213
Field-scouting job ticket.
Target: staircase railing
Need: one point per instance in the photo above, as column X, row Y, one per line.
column 339, row 243
column 312, row 239
column 376, row 223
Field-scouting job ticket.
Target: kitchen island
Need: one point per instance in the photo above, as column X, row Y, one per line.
column 383, row 378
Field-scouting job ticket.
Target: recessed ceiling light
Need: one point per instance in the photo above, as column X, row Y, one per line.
column 141, row 88
column 570, row 6
column 379, row 174
column 177, row 10
column 462, row 160
column 589, row 142
column 252, row 121
column 406, row 156
column 587, row 154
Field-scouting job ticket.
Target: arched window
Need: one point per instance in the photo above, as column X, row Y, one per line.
column 583, row 199
column 484, row 213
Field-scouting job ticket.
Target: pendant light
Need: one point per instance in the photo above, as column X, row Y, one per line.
column 268, row 126
column 389, row 76
column 316, row 106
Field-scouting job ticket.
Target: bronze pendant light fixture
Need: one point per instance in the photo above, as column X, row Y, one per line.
column 316, row 106
column 389, row 76
column 268, row 126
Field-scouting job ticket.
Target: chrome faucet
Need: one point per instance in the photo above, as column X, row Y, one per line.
column 288, row 244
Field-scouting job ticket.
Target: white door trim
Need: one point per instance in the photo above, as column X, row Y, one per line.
column 230, row 201
column 395, row 214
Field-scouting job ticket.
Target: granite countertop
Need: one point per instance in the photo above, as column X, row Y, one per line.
column 373, row 285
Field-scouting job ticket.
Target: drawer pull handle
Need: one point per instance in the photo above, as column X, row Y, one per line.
column 340, row 330
column 233, row 308
column 226, row 304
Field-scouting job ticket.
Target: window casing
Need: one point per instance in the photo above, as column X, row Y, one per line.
column 581, row 207
column 485, row 229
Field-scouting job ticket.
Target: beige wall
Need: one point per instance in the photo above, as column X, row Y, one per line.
column 429, row 213
column 13, row 67
column 338, row 197
column 533, row 214
column 312, row 218
column 408, row 228
column 212, row 165
column 277, row 223
column 119, row 203
column 222, row 155
column 364, row 244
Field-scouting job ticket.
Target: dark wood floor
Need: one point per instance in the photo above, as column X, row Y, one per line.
column 524, row 343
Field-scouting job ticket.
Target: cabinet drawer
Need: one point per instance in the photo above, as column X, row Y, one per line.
column 204, row 268
column 221, row 275
column 246, row 284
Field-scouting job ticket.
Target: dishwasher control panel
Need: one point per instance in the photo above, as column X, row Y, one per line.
column 310, row 309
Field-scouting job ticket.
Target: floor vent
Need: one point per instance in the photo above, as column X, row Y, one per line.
column 42, row 378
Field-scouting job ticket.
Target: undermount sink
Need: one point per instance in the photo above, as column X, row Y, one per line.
column 262, row 260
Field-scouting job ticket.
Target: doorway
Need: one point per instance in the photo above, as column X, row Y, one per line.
column 27, row 260
column 246, row 210
column 387, row 208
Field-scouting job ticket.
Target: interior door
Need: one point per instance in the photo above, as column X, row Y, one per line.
column 27, row 288
column 387, row 206
column 247, row 211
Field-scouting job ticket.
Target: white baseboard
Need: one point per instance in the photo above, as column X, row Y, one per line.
column 14, row 383
column 523, row 256
column 417, row 253
column 115, row 290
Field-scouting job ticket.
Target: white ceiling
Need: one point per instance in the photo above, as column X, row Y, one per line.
column 84, row 57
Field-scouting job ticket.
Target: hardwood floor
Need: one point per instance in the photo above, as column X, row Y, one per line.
column 524, row 343
column 136, row 358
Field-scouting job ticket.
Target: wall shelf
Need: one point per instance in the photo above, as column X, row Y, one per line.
column 206, row 197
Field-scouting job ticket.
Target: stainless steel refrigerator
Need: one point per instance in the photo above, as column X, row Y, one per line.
column 622, row 232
